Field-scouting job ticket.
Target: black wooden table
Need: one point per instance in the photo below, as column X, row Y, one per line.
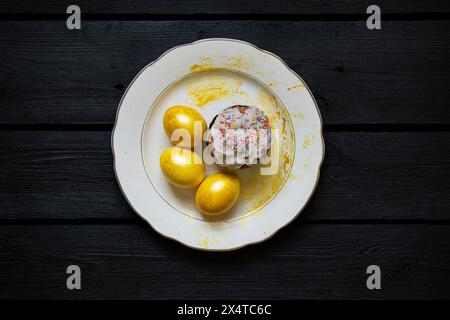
column 384, row 192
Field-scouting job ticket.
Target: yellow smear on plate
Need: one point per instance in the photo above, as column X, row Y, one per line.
column 274, row 118
column 214, row 88
column 307, row 142
column 257, row 189
column 205, row 63
column 245, row 95
column 238, row 62
column 286, row 161
column 205, row 242
column 292, row 176
column 298, row 115
column 300, row 85
column 283, row 126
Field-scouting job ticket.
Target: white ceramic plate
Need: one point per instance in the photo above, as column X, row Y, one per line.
column 210, row 75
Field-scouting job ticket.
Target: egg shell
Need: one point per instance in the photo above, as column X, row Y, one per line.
column 217, row 193
column 183, row 117
column 183, row 168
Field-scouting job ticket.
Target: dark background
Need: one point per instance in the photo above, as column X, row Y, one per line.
column 383, row 196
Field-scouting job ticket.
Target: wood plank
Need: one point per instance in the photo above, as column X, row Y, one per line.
column 250, row 7
column 300, row 262
column 369, row 176
column 399, row 74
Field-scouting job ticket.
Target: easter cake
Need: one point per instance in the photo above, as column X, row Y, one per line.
column 239, row 137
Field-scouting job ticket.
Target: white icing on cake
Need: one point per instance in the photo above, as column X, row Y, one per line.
column 240, row 136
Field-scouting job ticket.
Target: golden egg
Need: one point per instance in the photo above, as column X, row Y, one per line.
column 182, row 167
column 217, row 193
column 183, row 117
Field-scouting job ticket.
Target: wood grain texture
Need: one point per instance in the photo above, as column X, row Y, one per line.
column 249, row 7
column 301, row 261
column 366, row 176
column 399, row 74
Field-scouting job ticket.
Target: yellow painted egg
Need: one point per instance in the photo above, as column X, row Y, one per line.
column 217, row 193
column 183, row 117
column 183, row 168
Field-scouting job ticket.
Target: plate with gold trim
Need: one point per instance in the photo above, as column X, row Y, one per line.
column 210, row 75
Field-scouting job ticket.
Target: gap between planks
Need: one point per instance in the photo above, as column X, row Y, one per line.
column 228, row 17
